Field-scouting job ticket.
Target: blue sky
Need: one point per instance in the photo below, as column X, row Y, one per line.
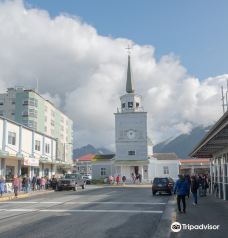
column 195, row 31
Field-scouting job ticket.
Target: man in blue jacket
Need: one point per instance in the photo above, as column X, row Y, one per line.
column 181, row 189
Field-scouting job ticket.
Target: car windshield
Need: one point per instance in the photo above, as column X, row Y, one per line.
column 71, row 176
column 160, row 180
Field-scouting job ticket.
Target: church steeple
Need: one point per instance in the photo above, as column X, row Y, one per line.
column 129, row 84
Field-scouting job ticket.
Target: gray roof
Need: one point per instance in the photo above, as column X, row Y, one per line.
column 129, row 85
column 165, row 156
column 214, row 141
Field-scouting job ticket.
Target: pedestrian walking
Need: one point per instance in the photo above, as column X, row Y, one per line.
column 181, row 189
column 42, row 183
column 110, row 179
column 194, row 188
column 54, row 182
column 38, row 183
column 16, row 185
column 118, row 179
column 25, row 184
column 2, row 185
column 34, row 181
column 188, row 181
column 204, row 186
column 124, row 179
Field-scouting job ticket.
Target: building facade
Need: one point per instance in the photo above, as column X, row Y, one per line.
column 24, row 151
column 214, row 146
column 194, row 166
column 30, row 109
column 131, row 133
column 134, row 150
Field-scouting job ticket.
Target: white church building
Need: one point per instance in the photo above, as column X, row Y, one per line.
column 134, row 149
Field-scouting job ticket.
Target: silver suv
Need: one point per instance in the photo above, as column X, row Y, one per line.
column 70, row 181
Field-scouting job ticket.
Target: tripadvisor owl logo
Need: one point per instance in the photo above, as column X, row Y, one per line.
column 175, row 226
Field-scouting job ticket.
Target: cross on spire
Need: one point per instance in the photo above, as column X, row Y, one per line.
column 128, row 49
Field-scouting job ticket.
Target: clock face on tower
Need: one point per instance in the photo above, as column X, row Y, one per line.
column 131, row 134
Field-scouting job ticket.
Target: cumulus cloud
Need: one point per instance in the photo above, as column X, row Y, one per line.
column 84, row 73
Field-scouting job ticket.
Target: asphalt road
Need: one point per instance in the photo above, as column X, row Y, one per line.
column 91, row 213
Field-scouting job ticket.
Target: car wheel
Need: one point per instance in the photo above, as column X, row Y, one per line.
column 154, row 192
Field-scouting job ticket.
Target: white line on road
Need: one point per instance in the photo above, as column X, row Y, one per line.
column 67, row 203
column 78, row 210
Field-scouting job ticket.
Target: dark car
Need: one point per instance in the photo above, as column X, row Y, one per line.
column 70, row 181
column 162, row 185
column 87, row 178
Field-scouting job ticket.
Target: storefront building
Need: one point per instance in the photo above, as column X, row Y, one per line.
column 215, row 147
column 24, row 151
column 194, row 166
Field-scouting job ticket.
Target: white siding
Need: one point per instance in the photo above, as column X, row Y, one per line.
column 26, row 142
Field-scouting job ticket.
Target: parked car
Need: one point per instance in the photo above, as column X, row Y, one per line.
column 162, row 185
column 87, row 178
column 70, row 181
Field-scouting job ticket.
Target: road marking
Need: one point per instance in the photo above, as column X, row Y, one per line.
column 78, row 210
column 67, row 203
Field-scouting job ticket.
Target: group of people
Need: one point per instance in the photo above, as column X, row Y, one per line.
column 26, row 184
column 186, row 184
column 135, row 178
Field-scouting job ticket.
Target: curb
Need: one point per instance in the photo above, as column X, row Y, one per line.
column 168, row 217
column 24, row 195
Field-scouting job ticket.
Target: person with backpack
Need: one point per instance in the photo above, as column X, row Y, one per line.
column 181, row 189
column 194, row 188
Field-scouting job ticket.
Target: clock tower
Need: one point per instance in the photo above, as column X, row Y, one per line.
column 133, row 149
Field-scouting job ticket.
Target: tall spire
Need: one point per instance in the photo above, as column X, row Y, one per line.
column 129, row 85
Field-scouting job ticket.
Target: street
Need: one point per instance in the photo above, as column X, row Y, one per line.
column 95, row 212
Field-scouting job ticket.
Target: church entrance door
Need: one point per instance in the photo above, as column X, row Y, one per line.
column 136, row 168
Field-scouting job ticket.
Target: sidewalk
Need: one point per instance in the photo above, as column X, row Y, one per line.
column 209, row 210
column 10, row 196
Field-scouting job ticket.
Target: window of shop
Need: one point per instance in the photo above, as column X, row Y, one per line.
column 37, row 145
column 36, row 171
column 47, row 148
column 10, row 172
column 11, row 138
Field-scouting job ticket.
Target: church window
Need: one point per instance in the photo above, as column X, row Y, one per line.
column 123, row 105
column 137, row 104
column 131, row 152
column 103, row 171
column 165, row 169
column 130, row 104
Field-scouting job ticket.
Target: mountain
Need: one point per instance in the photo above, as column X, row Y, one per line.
column 89, row 149
column 183, row 144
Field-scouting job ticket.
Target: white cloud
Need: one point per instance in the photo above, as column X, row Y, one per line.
column 85, row 73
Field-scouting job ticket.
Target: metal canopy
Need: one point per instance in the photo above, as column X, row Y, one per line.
column 215, row 140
